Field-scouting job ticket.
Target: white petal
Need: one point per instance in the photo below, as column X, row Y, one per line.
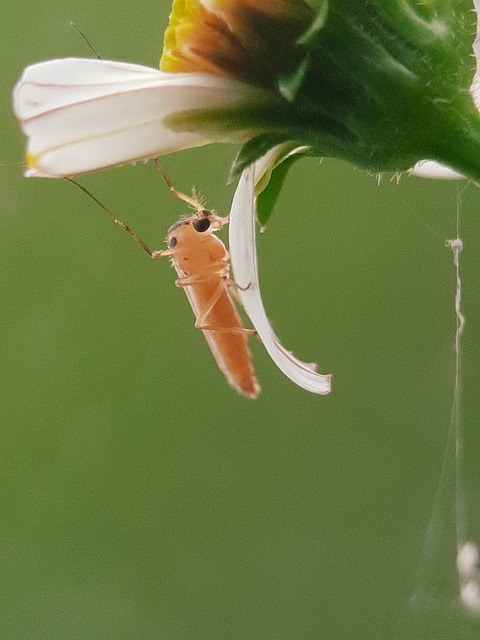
column 81, row 115
column 432, row 169
column 244, row 263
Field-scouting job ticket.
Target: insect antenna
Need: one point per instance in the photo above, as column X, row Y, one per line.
column 86, row 40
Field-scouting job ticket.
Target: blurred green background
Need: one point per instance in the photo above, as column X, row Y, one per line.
column 141, row 498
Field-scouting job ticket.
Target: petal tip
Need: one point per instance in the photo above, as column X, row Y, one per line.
column 434, row 170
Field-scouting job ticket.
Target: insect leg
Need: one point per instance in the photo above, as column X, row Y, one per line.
column 234, row 330
column 189, row 281
column 200, row 321
column 234, row 286
column 215, row 270
column 122, row 225
column 192, row 202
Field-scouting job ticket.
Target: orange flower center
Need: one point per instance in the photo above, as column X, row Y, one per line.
column 247, row 39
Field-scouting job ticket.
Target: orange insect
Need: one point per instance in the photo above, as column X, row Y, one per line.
column 202, row 263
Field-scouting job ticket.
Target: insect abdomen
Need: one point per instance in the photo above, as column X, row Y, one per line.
column 230, row 349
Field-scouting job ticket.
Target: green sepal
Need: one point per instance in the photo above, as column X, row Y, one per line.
column 318, row 23
column 254, row 149
column 289, row 85
column 267, row 198
column 385, row 83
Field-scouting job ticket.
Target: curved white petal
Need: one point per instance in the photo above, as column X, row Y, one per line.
column 432, row 169
column 243, row 256
column 81, row 115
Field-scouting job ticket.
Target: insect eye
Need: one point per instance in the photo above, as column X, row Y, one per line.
column 201, row 225
column 172, row 242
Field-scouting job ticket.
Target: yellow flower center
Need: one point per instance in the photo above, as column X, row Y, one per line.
column 31, row 161
column 184, row 20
